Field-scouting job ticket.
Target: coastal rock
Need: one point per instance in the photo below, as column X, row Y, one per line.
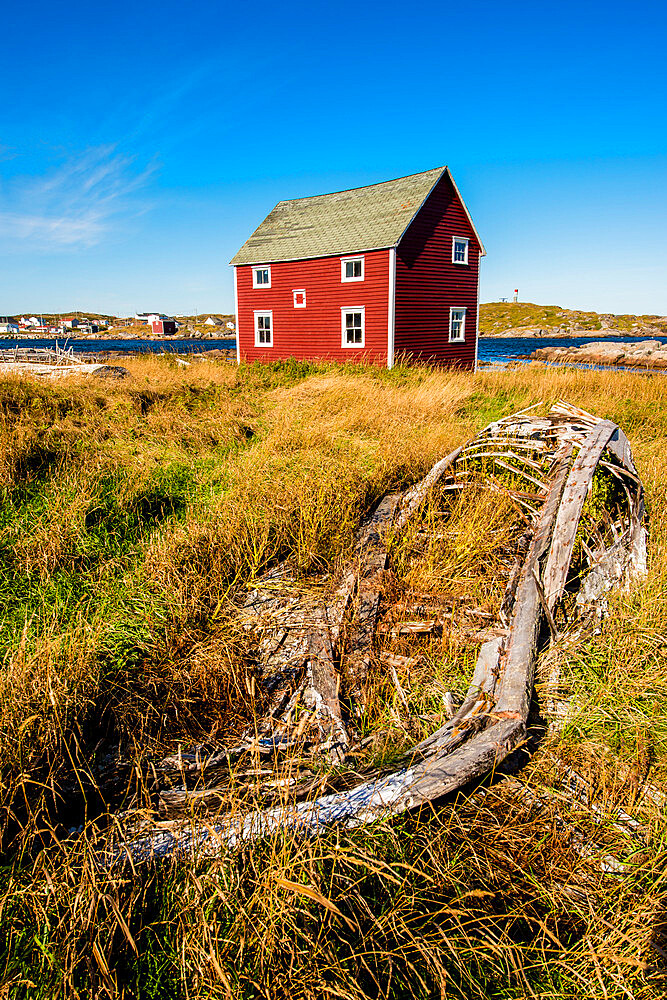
column 566, row 331
column 644, row 354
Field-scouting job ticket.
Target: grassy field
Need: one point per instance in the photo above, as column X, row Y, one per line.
column 494, row 317
column 133, row 514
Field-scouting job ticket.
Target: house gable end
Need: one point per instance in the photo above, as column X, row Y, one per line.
column 438, row 201
column 430, row 283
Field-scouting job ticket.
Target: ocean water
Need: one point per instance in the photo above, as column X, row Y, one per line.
column 146, row 346
column 491, row 349
column 494, row 350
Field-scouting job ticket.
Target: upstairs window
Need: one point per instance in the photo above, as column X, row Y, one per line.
column 299, row 296
column 261, row 277
column 457, row 325
column 459, row 250
column 352, row 269
column 353, row 326
column 264, row 329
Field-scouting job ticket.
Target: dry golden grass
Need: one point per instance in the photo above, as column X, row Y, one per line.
column 132, row 514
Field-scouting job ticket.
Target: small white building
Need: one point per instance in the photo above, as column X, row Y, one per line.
column 9, row 327
column 150, row 318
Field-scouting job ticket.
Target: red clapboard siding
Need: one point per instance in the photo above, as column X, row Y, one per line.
column 428, row 283
column 315, row 332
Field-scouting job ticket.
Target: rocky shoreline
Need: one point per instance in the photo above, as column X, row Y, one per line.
column 566, row 332
column 647, row 354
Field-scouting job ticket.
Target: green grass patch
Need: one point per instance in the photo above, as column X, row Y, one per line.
column 131, row 515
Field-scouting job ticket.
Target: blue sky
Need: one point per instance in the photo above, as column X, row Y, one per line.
column 141, row 143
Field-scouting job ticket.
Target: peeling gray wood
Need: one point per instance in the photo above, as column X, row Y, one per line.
column 574, row 496
column 301, row 635
column 516, row 683
column 372, row 561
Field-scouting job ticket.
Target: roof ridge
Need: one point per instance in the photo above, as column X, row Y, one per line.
column 364, row 187
column 354, row 220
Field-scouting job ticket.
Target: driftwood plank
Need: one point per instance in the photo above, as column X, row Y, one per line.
column 619, row 447
column 372, row 561
column 325, row 682
column 509, row 597
column 516, row 683
column 574, row 496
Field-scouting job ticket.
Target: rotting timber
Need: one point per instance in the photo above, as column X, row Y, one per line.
column 313, row 644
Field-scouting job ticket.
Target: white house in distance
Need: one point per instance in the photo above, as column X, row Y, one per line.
column 8, row 325
column 150, row 318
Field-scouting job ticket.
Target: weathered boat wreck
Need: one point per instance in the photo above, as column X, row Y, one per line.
column 311, row 648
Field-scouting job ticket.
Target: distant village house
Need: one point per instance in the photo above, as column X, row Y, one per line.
column 149, row 318
column 374, row 273
column 160, row 324
column 166, row 327
column 8, row 325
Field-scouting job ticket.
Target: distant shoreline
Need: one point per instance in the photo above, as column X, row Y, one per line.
column 92, row 338
column 546, row 333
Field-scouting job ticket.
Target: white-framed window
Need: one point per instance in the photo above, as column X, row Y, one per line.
column 353, row 326
column 352, row 269
column 457, row 325
column 261, row 276
column 299, row 296
column 263, row 328
column 460, row 250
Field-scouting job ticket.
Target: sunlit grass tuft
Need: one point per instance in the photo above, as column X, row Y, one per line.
column 134, row 515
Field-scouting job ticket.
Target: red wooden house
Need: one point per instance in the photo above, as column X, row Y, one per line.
column 374, row 273
column 166, row 327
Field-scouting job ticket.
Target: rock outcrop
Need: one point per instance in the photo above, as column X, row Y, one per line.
column 643, row 354
column 569, row 330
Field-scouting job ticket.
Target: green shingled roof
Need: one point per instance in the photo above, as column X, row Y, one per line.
column 366, row 218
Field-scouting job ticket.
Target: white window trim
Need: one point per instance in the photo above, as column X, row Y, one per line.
column 263, row 267
column 452, row 310
column 391, row 310
column 343, row 340
column 258, row 313
column 236, row 307
column 299, row 291
column 348, row 260
column 460, row 239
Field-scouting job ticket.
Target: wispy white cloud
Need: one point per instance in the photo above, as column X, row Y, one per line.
column 77, row 204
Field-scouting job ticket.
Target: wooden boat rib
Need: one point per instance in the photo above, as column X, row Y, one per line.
column 493, row 718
